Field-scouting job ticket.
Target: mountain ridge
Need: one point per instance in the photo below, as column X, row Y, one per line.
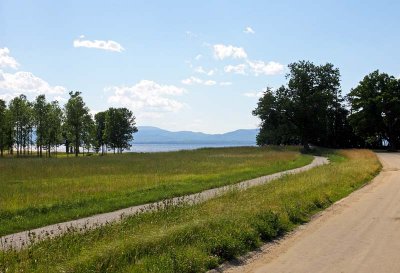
column 151, row 134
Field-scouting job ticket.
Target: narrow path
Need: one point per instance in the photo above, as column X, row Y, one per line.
column 359, row 233
column 24, row 238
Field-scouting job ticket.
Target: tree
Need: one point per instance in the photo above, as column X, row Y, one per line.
column 307, row 110
column 76, row 114
column 89, row 133
column 3, row 126
column 119, row 128
column 73, row 126
column 100, row 123
column 274, row 110
column 22, row 122
column 375, row 106
column 40, row 111
column 54, row 128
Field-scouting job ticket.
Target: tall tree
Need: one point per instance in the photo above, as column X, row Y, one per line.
column 119, row 128
column 22, row 122
column 40, row 109
column 54, row 128
column 76, row 113
column 276, row 114
column 305, row 111
column 375, row 106
column 88, row 135
column 100, row 123
column 3, row 126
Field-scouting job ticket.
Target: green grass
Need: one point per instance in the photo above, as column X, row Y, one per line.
column 37, row 192
column 198, row 238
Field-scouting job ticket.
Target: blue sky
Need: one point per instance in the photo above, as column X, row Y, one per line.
column 185, row 65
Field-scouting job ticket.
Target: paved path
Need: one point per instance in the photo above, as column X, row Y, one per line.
column 21, row 239
column 360, row 233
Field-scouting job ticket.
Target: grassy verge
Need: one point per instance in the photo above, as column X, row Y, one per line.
column 37, row 192
column 198, row 238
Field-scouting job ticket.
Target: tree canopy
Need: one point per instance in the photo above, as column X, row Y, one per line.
column 306, row 110
column 43, row 126
column 375, row 106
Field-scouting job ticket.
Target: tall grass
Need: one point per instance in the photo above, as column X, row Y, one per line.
column 198, row 238
column 36, row 192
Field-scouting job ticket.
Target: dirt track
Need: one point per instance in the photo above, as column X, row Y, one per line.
column 360, row 233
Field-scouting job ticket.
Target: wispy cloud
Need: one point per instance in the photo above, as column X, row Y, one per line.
column 253, row 94
column 194, row 80
column 237, row 69
column 210, row 82
column 249, row 30
column 269, row 68
column 201, row 70
column 248, row 66
column 256, row 67
column 99, row 44
column 190, row 34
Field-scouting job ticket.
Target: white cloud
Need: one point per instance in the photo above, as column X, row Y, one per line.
column 26, row 82
column 237, row 69
column 201, row 70
column 9, row 96
column 256, row 67
column 249, row 30
column 100, row 44
column 225, row 51
column 253, row 94
column 193, row 80
column 270, row 68
column 210, row 82
column 225, row 83
column 198, row 57
column 6, row 60
column 147, row 96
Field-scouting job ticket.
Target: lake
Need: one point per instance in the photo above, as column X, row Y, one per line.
column 153, row 147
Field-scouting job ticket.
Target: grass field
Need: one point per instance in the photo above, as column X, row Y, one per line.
column 197, row 238
column 36, row 192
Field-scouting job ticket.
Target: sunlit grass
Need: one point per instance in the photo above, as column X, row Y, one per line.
column 198, row 238
column 36, row 192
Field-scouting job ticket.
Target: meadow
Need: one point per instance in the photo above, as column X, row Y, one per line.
column 36, row 192
column 200, row 237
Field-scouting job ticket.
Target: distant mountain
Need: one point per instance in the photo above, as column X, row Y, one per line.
column 149, row 134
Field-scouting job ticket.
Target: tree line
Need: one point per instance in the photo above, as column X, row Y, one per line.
column 39, row 126
column 310, row 109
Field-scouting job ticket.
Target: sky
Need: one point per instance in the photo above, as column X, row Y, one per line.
column 187, row 65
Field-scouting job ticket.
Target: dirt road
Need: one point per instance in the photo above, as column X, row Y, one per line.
column 360, row 233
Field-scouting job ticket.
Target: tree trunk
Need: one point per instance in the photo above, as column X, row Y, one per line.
column 76, row 149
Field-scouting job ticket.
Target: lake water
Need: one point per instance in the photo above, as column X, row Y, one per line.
column 151, row 148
